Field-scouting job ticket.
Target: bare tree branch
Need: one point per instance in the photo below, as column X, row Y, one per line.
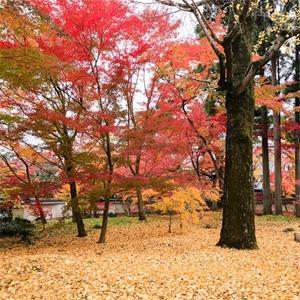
column 183, row 5
column 5, row 160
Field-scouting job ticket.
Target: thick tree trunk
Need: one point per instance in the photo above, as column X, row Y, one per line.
column 76, row 210
column 277, row 147
column 238, row 227
column 104, row 221
column 267, row 201
column 142, row 215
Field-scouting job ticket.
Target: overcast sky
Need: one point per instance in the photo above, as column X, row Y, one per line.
column 188, row 22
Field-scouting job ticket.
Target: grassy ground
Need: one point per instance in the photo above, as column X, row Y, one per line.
column 279, row 219
column 54, row 227
column 144, row 261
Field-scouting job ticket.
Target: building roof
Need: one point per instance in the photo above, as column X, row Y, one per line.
column 44, row 201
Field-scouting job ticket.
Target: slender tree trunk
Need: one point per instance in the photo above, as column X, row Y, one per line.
column 267, row 201
column 297, row 165
column 277, row 164
column 41, row 211
column 238, row 226
column 67, row 148
column 297, row 120
column 142, row 215
column 104, row 221
column 76, row 210
column 181, row 223
column 95, row 214
column 214, row 204
column 108, row 192
column 170, row 222
column 277, row 147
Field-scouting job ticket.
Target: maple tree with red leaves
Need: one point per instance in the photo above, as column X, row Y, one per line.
column 81, row 99
column 117, row 104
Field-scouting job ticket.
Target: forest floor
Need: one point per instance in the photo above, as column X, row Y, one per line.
column 144, row 261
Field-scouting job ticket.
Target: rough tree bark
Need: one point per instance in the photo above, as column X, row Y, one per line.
column 238, row 227
column 277, row 147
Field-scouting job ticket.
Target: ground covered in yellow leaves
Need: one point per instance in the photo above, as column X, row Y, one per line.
column 144, row 261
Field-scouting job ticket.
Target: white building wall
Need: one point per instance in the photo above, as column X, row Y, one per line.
column 54, row 211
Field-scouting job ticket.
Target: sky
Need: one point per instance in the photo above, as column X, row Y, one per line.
column 188, row 26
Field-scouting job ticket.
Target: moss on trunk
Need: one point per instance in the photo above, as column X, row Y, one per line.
column 238, row 227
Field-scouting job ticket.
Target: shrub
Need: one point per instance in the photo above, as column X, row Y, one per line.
column 17, row 227
column 5, row 215
column 112, row 215
column 97, row 226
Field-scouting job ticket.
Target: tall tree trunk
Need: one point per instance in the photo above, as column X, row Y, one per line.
column 297, row 120
column 104, row 221
column 267, row 201
column 73, row 213
column 142, row 215
column 67, row 150
column 76, row 210
column 277, row 164
column 277, row 147
column 238, row 227
column 108, row 192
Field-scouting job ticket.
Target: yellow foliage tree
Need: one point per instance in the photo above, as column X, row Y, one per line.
column 185, row 201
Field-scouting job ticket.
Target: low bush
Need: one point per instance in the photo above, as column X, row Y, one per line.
column 112, row 215
column 17, row 227
column 97, row 226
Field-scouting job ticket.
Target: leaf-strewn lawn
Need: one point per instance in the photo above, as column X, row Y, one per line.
column 143, row 261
